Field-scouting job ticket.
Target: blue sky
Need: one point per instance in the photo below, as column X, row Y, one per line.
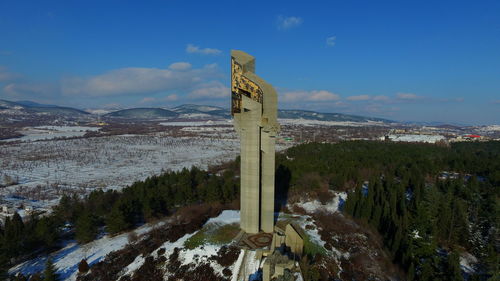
column 403, row 60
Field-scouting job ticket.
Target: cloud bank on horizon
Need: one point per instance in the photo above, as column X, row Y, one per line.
column 181, row 83
column 326, row 57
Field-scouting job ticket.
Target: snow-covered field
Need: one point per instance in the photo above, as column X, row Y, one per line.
column 308, row 122
column 44, row 169
column 198, row 123
column 108, row 162
column 52, row 132
column 416, row 138
column 489, row 129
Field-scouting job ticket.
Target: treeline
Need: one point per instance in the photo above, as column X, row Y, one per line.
column 116, row 211
column 348, row 164
column 425, row 221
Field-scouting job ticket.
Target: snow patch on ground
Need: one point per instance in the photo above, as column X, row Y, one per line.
column 467, row 262
column 330, row 207
column 135, row 265
column 226, row 217
column 252, row 265
column 203, row 252
column 307, row 223
column 196, row 255
column 67, row 259
column 237, row 266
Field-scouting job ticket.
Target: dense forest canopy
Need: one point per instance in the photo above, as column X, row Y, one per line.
column 426, row 218
column 428, row 202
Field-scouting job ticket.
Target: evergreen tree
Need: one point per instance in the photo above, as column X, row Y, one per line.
column 86, row 228
column 411, row 272
column 453, row 272
column 14, row 228
column 116, row 220
column 427, row 272
column 50, row 273
column 46, row 231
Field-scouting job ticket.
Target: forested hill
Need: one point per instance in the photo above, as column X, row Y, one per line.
column 426, row 218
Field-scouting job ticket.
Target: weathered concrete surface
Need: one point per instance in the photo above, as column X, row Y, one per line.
column 254, row 107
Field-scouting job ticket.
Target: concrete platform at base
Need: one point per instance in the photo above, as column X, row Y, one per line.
column 249, row 241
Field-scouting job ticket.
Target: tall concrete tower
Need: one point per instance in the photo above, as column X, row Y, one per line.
column 254, row 108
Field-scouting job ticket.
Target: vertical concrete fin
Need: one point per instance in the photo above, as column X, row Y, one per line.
column 254, row 107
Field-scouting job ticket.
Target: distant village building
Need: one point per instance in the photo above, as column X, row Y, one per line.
column 470, row 137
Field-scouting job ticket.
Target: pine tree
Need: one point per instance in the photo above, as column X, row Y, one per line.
column 453, row 271
column 86, row 228
column 14, row 227
column 411, row 272
column 350, row 203
column 46, row 231
column 427, row 272
column 116, row 221
column 50, row 273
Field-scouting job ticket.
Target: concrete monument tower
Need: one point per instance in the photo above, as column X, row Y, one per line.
column 254, row 108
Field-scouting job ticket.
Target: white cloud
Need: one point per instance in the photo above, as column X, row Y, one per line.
column 374, row 108
column 341, row 104
column 193, row 49
column 139, row 81
column 172, row 97
column 359, row 98
column 285, row 23
column 313, row 96
column 330, row 41
column 214, row 89
column 496, row 101
column 180, row 66
column 407, row 96
column 24, row 90
column 381, row 98
column 147, row 100
column 323, row 96
column 6, row 75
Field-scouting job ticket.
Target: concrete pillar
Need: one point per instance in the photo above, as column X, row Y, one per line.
column 267, row 182
column 254, row 107
column 250, row 166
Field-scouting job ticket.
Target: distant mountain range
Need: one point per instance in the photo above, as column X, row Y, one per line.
column 186, row 111
column 193, row 110
column 143, row 113
column 33, row 107
column 312, row 115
